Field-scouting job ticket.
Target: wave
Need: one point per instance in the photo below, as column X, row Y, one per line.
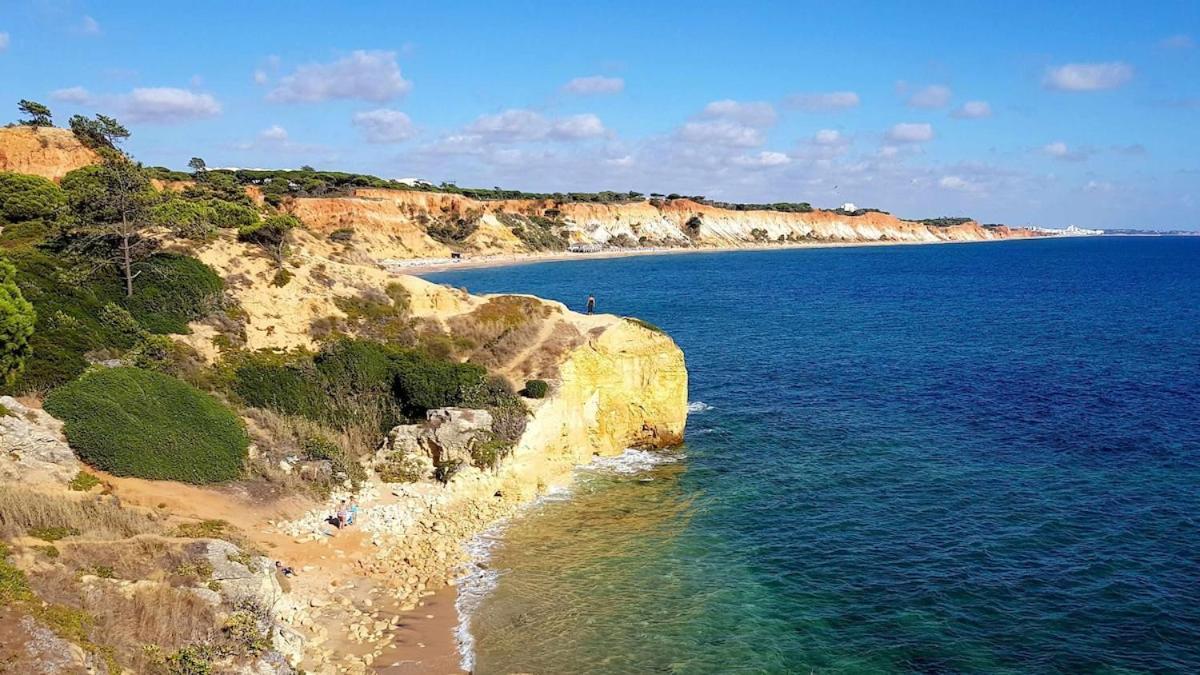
column 479, row 579
column 698, row 407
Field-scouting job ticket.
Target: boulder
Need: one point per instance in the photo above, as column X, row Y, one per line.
column 32, row 446
column 451, row 434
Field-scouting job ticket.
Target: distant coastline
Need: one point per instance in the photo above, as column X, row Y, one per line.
column 422, row 266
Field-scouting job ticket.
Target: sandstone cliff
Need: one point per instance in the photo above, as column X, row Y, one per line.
column 43, row 151
column 395, row 224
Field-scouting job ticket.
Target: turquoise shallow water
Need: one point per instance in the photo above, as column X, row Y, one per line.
column 936, row 459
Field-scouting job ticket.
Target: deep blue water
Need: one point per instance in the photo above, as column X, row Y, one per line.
column 933, row 459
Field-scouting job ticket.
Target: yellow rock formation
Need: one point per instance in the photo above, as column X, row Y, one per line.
column 42, row 151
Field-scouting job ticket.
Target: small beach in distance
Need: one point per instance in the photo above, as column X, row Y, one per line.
column 898, row 459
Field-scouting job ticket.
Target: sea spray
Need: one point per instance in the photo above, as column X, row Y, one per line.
column 479, row 579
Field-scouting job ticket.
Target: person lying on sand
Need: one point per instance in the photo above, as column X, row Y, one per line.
column 285, row 571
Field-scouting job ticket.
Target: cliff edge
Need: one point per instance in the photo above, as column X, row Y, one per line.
column 48, row 152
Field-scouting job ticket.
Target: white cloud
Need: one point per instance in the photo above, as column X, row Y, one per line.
column 765, row 158
column 756, row 114
column 910, row 132
column 152, row 105
column 273, row 134
column 595, row 84
column 958, row 184
column 1098, row 186
column 721, row 132
column 89, row 26
column 1088, row 76
column 517, row 126
column 260, row 76
column 1177, row 42
column 4, row 41
column 71, row 95
column 384, row 125
column 363, row 75
column 932, row 96
column 828, row 137
column 823, row 102
column 1060, row 150
column 973, row 110
column 167, row 105
column 624, row 160
column 577, row 127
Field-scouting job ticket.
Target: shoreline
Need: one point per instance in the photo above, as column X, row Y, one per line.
column 421, row 266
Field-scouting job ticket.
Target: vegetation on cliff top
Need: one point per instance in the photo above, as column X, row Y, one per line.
column 134, row 422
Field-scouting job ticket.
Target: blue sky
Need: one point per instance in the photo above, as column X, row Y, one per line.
column 1042, row 113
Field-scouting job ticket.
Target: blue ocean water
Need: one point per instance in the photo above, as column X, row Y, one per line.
column 933, row 459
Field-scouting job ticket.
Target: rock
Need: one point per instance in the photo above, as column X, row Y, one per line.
column 32, row 447
column 317, row 602
column 315, row 470
column 453, row 432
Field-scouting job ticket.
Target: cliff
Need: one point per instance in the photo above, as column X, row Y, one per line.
column 43, row 151
column 396, row 224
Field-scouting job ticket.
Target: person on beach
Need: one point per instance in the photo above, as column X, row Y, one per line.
column 591, row 304
column 285, row 571
column 353, row 511
column 343, row 515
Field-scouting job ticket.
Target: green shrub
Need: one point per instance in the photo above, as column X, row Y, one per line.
column 134, row 422
column 270, row 234
column 281, row 278
column 17, row 320
column 423, row 383
column 25, row 197
column 229, row 214
column 190, row 660
column 321, row 448
column 205, row 529
column 52, row 533
column 14, row 587
column 74, row 317
column 49, row 550
column 83, row 481
column 174, row 290
column 189, row 219
column 536, row 389
column 342, row 235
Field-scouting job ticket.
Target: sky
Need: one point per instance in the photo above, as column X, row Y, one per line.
column 1010, row 112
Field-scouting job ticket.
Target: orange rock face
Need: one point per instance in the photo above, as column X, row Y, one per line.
column 48, row 152
column 395, row 223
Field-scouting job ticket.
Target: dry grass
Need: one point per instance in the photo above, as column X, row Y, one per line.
column 159, row 615
column 22, row 509
column 500, row 330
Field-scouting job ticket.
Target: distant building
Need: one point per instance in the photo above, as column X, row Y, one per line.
column 413, row 182
column 848, row 207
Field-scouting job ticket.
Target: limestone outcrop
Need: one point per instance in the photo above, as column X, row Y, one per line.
column 33, row 449
column 43, row 151
column 394, row 224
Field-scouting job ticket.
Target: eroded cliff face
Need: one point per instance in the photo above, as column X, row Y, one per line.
column 395, row 224
column 43, row 151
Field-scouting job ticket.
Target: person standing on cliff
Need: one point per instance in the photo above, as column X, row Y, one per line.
column 591, row 304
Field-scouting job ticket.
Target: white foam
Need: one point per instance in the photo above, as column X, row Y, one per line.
column 479, row 579
column 632, row 462
column 698, row 407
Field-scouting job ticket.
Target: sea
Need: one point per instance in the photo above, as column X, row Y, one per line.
column 971, row 458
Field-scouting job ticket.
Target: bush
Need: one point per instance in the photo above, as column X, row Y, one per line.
column 134, row 422
column 535, row 389
column 17, row 319
column 229, row 214
column 83, row 481
column 174, row 290
column 423, row 383
column 271, row 235
column 192, row 220
column 72, row 308
column 25, row 197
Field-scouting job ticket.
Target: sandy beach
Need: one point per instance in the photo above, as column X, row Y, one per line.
column 422, row 266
